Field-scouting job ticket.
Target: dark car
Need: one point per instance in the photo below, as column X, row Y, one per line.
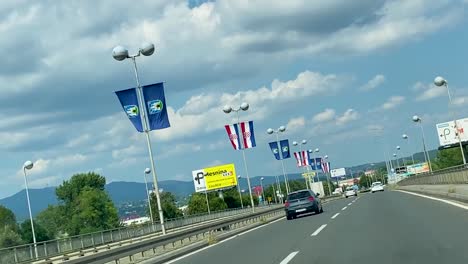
column 302, row 202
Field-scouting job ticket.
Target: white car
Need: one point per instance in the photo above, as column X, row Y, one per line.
column 350, row 191
column 377, row 187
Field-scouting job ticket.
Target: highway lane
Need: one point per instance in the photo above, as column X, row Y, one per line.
column 268, row 244
column 388, row 227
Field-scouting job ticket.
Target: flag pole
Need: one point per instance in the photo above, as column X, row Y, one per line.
column 148, row 142
column 245, row 161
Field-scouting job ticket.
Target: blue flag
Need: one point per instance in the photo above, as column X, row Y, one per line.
column 317, row 165
column 129, row 101
column 156, row 109
column 284, row 144
column 274, row 149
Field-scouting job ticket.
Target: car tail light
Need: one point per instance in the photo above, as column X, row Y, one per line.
column 311, row 198
column 286, row 204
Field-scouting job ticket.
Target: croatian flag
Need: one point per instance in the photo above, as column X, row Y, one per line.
column 305, row 158
column 298, row 157
column 326, row 167
column 248, row 134
column 233, row 134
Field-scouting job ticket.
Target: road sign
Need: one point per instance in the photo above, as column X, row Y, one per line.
column 338, row 172
column 214, row 178
column 308, row 174
column 447, row 133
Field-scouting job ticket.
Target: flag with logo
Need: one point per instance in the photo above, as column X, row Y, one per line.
column 284, row 144
column 248, row 135
column 274, row 148
column 129, row 100
column 317, row 165
column 156, row 109
column 298, row 157
column 233, row 134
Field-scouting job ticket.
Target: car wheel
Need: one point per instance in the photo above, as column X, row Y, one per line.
column 317, row 211
column 355, row 195
column 346, row 196
column 288, row 217
column 372, row 192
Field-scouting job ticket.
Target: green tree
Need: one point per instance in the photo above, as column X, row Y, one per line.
column 86, row 206
column 447, row 158
column 231, row 198
column 197, row 204
column 9, row 237
column 39, row 231
column 52, row 219
column 69, row 191
column 93, row 211
column 217, row 204
column 365, row 181
column 168, row 204
column 7, row 218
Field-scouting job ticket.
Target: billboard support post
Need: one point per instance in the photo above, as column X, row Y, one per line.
column 207, row 202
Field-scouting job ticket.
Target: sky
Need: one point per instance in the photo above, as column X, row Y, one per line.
column 347, row 76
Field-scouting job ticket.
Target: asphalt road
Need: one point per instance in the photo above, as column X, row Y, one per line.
column 386, row 227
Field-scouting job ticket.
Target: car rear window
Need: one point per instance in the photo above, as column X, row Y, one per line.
column 298, row 195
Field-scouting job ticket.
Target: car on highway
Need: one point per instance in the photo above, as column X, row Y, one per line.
column 302, row 202
column 377, row 187
column 350, row 191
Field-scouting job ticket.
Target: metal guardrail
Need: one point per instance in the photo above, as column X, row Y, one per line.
column 452, row 175
column 117, row 253
column 51, row 248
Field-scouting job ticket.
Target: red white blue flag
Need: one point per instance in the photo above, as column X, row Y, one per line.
column 305, row 158
column 248, row 135
column 298, row 157
column 325, row 167
column 233, row 134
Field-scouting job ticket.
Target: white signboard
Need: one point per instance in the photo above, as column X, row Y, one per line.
column 338, row 172
column 446, row 132
column 198, row 177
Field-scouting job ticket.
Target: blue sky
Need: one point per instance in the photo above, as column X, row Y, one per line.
column 346, row 76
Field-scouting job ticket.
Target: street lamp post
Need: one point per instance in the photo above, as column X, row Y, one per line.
column 440, row 81
column 238, row 188
column 148, row 171
column 243, row 107
column 263, row 191
column 27, row 166
column 120, row 53
column 328, row 177
column 418, row 120
column 286, row 182
column 405, row 137
column 397, row 161
column 303, row 142
column 402, row 156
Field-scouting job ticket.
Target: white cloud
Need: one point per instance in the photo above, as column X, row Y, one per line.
column 348, row 116
column 460, row 100
column 428, row 91
column 189, row 120
column 393, row 102
column 327, row 115
column 295, row 124
column 373, row 83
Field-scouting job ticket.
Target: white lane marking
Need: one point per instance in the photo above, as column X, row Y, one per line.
column 349, row 204
column 344, row 208
column 437, row 199
column 318, row 230
column 222, row 241
column 337, row 214
column 289, row 257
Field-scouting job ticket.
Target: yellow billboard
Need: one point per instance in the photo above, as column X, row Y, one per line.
column 220, row 177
